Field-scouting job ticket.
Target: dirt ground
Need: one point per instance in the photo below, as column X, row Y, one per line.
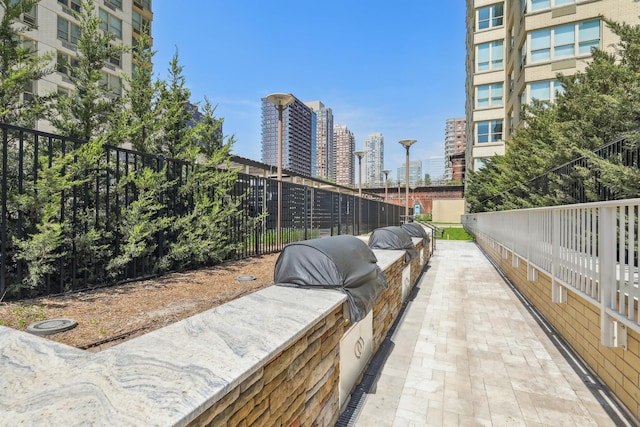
column 110, row 316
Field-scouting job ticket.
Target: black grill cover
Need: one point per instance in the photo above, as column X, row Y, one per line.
column 416, row 230
column 343, row 263
column 393, row 238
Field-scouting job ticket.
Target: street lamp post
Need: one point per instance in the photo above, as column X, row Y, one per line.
column 407, row 143
column 386, row 184
column 360, row 155
column 280, row 101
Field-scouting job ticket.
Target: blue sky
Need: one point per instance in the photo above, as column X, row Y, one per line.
column 391, row 67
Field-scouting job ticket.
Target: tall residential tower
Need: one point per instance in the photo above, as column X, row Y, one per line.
column 374, row 160
column 297, row 140
column 324, row 164
column 454, row 145
column 345, row 144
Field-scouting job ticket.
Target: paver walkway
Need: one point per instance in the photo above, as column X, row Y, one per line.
column 469, row 353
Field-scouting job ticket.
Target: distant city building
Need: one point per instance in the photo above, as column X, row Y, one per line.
column 435, row 166
column 454, row 145
column 515, row 50
column 56, row 32
column 345, row 145
column 415, row 174
column 373, row 161
column 323, row 165
column 297, row 136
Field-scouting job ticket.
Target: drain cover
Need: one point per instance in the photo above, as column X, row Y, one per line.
column 53, row 326
column 245, row 278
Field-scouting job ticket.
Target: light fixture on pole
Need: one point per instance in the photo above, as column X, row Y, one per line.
column 280, row 101
column 407, row 143
column 386, row 184
column 360, row 155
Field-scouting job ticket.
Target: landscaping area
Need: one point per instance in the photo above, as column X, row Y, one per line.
column 451, row 232
column 110, row 316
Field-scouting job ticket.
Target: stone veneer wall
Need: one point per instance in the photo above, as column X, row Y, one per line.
column 578, row 322
column 299, row 387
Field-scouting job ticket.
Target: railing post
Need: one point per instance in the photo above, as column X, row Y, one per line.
column 558, row 292
column 607, row 273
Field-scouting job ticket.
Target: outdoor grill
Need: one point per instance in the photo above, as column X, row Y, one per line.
column 417, row 230
column 343, row 263
column 394, row 238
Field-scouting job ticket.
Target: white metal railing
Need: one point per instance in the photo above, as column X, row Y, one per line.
column 590, row 249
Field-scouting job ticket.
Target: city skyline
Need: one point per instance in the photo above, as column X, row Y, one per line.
column 244, row 57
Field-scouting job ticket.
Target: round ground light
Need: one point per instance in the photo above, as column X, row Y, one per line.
column 245, row 278
column 53, row 326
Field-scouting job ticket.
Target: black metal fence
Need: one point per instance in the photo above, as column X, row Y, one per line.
column 93, row 211
column 577, row 181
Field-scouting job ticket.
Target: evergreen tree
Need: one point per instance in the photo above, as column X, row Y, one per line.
column 208, row 132
column 176, row 139
column 139, row 121
column 203, row 235
column 20, row 66
column 84, row 113
column 141, row 220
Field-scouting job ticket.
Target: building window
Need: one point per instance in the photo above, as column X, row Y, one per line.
column 489, row 95
column 30, row 17
column 110, row 24
column 560, row 42
column 114, row 3
column 488, row 131
column 547, row 4
column 72, row 4
column 546, row 90
column 489, row 56
column 540, row 45
column 140, row 23
column 588, row 36
column 510, row 115
column 66, row 64
column 143, row 4
column 490, row 16
column 29, row 47
column 29, row 90
column 112, row 84
column 68, row 31
column 116, row 60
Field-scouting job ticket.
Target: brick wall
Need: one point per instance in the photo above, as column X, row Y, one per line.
column 578, row 322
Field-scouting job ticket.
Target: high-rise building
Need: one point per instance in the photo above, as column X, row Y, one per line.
column 454, row 145
column 515, row 49
column 415, row 174
column 323, row 165
column 57, row 35
column 345, row 145
column 297, row 136
column 374, row 160
column 435, row 169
